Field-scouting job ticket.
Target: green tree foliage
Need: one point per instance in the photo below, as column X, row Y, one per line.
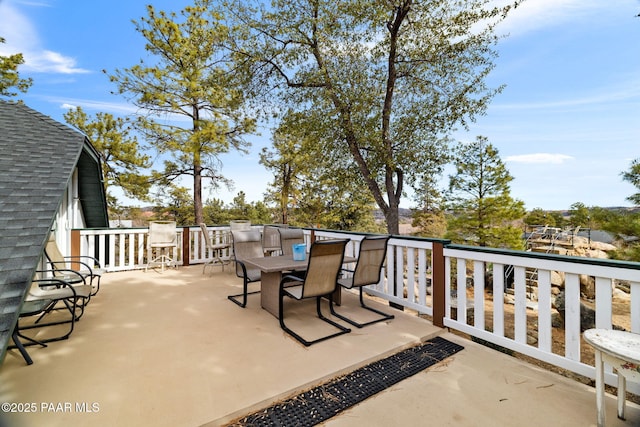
column 483, row 211
column 174, row 203
column 216, row 212
column 307, row 188
column 189, row 79
column 430, row 218
column 540, row 217
column 579, row 215
column 430, row 223
column 288, row 154
column 119, row 152
column 381, row 83
column 633, row 176
column 9, row 77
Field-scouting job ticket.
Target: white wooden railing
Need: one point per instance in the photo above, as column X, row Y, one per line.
column 466, row 300
column 411, row 280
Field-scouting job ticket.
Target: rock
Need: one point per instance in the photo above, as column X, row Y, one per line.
column 620, row 295
column 587, row 314
column 557, row 278
column 556, row 320
column 595, row 253
column 601, row 246
column 588, row 286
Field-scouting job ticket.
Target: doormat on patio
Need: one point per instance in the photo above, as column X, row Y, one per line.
column 327, row 400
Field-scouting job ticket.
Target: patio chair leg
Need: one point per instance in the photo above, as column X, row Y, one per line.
column 342, row 329
column 18, row 344
column 72, row 322
column 244, row 296
column 384, row 316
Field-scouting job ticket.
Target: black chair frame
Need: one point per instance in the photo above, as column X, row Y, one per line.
column 284, row 291
column 383, row 316
column 42, row 307
column 245, row 286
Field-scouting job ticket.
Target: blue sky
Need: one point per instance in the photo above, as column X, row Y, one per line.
column 566, row 125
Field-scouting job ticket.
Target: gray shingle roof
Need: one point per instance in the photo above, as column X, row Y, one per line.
column 37, row 158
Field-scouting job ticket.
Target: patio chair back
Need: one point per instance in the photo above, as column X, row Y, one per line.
column 57, row 260
column 270, row 239
column 162, row 234
column 289, row 237
column 247, row 244
column 221, row 243
column 373, row 251
column 52, row 251
column 325, row 261
column 86, row 266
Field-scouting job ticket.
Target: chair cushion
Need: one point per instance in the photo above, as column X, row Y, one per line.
column 294, row 290
column 346, row 282
column 254, row 275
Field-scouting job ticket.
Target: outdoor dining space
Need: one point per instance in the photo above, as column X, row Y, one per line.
column 168, row 348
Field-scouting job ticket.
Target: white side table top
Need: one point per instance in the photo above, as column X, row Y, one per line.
column 621, row 344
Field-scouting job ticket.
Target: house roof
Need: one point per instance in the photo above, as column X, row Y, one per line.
column 38, row 156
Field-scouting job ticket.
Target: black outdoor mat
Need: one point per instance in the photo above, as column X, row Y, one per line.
column 327, row 400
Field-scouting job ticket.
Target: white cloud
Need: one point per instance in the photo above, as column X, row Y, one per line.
column 536, row 14
column 552, row 158
column 46, row 61
column 93, row 105
column 22, row 37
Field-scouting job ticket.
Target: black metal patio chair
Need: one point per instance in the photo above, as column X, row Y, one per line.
column 246, row 244
column 371, row 257
column 320, row 280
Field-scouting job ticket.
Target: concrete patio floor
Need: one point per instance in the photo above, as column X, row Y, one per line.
column 169, row 349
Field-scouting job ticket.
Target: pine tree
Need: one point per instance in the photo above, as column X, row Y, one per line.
column 190, row 79
column 121, row 159
column 482, row 209
column 9, row 76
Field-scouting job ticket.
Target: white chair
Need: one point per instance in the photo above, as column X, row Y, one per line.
column 161, row 242
column 216, row 249
column 270, row 240
column 290, row 237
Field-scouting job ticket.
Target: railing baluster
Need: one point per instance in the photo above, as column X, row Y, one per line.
column 544, row 311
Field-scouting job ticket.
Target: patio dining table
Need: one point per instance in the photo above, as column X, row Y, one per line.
column 272, row 269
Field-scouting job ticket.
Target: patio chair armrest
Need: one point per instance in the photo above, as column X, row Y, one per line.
column 71, row 261
column 71, row 276
column 291, row 278
column 244, row 270
column 58, row 283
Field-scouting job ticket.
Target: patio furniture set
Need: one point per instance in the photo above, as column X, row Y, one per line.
column 318, row 274
column 65, row 287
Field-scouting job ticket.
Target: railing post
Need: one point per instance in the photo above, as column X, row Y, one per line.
column 186, row 246
column 437, row 284
column 75, row 243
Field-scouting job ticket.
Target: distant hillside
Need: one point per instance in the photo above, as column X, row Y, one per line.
column 405, row 214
